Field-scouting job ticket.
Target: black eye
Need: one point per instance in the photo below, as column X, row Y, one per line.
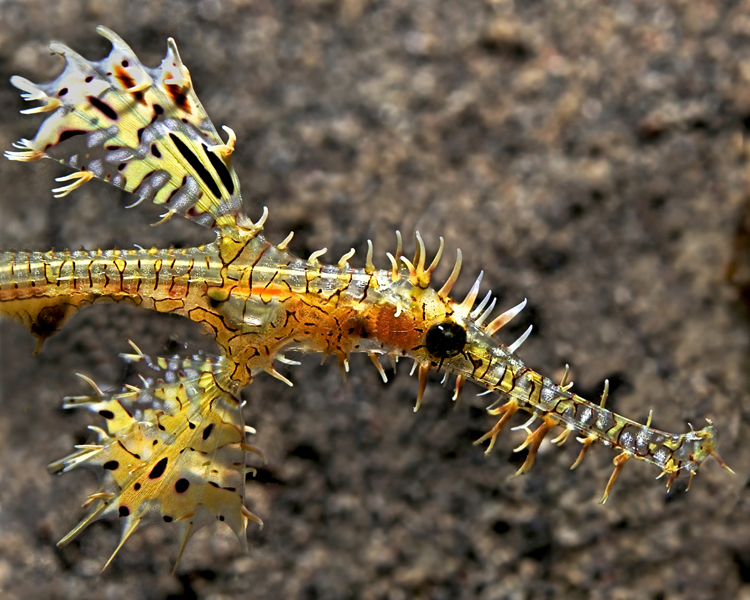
column 445, row 339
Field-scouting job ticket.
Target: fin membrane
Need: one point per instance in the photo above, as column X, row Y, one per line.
column 173, row 449
column 140, row 129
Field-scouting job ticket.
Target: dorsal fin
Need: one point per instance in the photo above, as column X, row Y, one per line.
column 141, row 129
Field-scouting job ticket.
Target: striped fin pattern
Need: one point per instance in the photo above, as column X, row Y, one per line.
column 140, row 129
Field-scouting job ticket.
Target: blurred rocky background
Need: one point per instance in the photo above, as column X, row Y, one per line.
column 589, row 156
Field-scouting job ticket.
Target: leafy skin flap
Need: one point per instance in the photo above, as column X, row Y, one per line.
column 140, row 129
column 177, row 451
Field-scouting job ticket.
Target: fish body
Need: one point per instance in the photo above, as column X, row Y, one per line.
column 175, row 446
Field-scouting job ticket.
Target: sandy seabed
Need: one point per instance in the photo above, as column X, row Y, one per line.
column 587, row 156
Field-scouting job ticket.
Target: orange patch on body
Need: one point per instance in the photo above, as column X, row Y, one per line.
column 401, row 332
column 267, row 291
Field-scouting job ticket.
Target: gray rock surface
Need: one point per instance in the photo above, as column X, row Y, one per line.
column 587, row 156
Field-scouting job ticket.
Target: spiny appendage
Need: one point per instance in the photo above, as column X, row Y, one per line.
column 140, row 129
column 463, row 313
column 174, row 447
column 523, row 389
column 672, row 453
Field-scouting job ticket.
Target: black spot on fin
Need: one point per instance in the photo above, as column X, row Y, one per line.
column 221, row 169
column 103, row 107
column 196, row 164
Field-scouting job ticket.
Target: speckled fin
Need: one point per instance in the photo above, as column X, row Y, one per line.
column 141, row 129
column 172, row 450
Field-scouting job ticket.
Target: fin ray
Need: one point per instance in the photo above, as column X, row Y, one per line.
column 141, row 129
column 175, row 449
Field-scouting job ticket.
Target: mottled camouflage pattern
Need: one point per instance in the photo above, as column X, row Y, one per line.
column 145, row 131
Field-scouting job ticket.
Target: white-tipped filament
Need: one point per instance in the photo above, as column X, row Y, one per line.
column 477, row 311
column 505, row 318
column 526, row 426
column 517, row 344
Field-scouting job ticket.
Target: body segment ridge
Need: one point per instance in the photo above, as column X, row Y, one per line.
column 174, row 447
